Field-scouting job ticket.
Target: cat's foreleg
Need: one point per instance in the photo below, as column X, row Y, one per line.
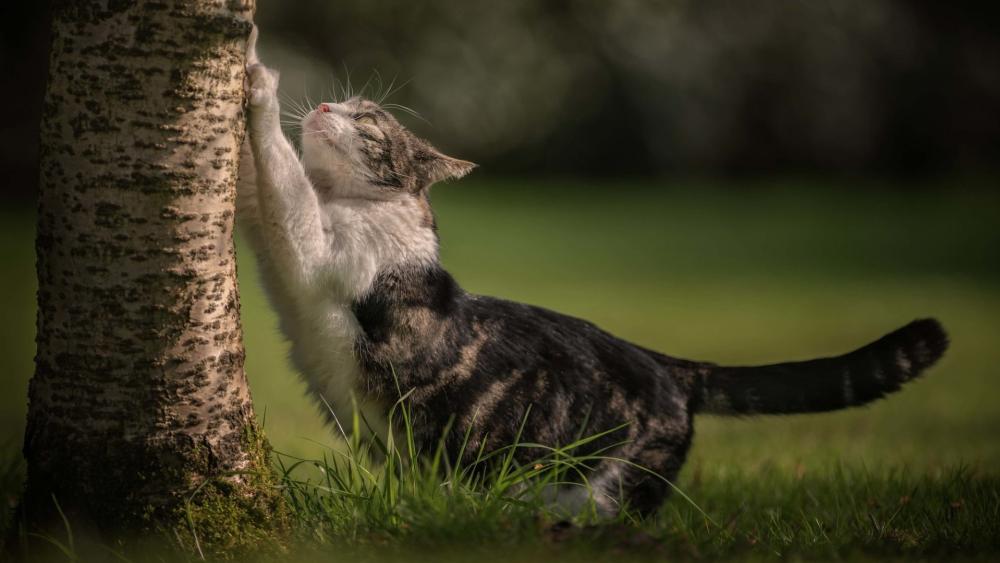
column 290, row 223
column 247, row 209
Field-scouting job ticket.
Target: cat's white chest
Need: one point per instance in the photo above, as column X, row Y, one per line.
column 367, row 237
column 364, row 238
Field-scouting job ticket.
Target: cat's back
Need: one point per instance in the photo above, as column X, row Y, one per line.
column 528, row 337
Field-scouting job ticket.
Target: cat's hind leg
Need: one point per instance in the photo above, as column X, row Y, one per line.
column 637, row 476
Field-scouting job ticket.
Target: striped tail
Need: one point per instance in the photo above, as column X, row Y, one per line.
column 868, row 373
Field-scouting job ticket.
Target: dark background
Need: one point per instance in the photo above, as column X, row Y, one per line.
column 904, row 91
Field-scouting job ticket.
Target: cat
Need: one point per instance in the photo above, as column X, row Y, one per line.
column 348, row 251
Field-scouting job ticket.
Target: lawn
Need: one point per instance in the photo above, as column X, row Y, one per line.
column 728, row 273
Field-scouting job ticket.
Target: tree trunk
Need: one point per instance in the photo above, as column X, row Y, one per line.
column 140, row 416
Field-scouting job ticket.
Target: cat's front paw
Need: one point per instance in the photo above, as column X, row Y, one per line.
column 262, row 85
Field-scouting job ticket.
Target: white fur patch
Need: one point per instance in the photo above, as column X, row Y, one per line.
column 568, row 501
column 369, row 236
column 903, row 363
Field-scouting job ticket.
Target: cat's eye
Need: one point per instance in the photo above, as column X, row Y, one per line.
column 365, row 119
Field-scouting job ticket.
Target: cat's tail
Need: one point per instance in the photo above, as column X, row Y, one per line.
column 824, row 384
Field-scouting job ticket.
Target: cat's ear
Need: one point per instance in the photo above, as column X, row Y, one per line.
column 448, row 168
column 435, row 167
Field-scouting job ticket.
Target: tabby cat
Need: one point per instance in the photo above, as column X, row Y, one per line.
column 348, row 249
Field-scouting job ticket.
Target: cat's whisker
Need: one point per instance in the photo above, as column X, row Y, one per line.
column 347, row 77
column 408, row 110
column 305, row 93
column 295, row 104
column 340, row 96
column 385, row 94
column 295, row 113
column 298, row 107
column 293, row 108
column 380, row 84
column 392, row 90
column 295, row 123
column 364, row 87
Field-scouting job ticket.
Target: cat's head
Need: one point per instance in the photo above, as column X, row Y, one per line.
column 357, row 149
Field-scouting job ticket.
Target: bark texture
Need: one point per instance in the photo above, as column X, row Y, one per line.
column 139, row 407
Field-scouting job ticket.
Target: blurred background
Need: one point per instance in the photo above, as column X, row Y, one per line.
column 632, row 87
column 735, row 182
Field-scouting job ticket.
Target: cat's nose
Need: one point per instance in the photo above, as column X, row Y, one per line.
column 323, row 108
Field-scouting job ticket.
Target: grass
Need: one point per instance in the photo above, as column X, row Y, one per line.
column 425, row 505
column 842, row 513
column 722, row 273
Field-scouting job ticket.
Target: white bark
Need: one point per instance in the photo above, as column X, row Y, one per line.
column 139, row 393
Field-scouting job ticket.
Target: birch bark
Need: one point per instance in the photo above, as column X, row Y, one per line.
column 139, row 398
